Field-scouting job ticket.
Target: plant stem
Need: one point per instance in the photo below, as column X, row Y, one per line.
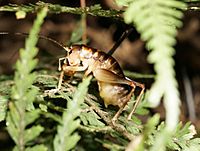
column 21, row 129
column 119, row 128
column 83, row 22
column 104, row 129
column 92, row 10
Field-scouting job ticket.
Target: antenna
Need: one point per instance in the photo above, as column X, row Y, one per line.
column 119, row 41
column 40, row 36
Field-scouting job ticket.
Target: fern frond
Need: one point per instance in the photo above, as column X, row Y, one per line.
column 3, row 107
column 157, row 21
column 37, row 147
column 23, row 94
column 95, row 10
column 181, row 139
column 66, row 139
column 90, row 118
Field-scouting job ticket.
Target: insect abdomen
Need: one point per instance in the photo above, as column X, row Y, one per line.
column 108, row 62
column 113, row 94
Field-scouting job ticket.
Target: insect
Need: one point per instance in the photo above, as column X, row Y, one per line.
column 114, row 88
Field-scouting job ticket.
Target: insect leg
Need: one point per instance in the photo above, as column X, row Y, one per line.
column 59, row 63
column 66, row 68
column 70, row 70
column 116, row 116
column 107, row 76
column 60, row 80
column 137, row 100
column 73, row 68
column 53, row 91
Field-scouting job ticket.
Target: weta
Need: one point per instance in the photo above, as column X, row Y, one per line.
column 114, row 88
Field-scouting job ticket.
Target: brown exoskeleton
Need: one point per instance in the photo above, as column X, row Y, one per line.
column 114, row 88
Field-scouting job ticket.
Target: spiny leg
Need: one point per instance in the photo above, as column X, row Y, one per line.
column 59, row 63
column 53, row 91
column 65, row 68
column 107, row 76
column 137, row 100
column 60, row 80
column 116, row 116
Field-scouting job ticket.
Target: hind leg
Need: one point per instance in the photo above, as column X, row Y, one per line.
column 137, row 100
column 127, row 99
column 107, row 76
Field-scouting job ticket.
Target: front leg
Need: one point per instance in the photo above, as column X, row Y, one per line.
column 56, row 90
column 65, row 69
column 70, row 70
column 59, row 63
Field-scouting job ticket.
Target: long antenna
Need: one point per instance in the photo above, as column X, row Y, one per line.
column 110, row 52
column 40, row 36
column 119, row 41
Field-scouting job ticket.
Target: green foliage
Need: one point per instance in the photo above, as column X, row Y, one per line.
column 37, row 148
column 36, row 120
column 66, row 139
column 95, row 10
column 157, row 21
column 156, row 137
column 181, row 139
column 90, row 117
column 3, row 107
column 141, row 140
column 76, row 35
column 23, row 94
column 152, row 134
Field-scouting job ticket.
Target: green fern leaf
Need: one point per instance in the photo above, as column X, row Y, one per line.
column 23, row 93
column 3, row 108
column 11, row 127
column 90, row 117
column 32, row 133
column 157, row 21
column 66, row 139
column 31, row 116
column 37, row 148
